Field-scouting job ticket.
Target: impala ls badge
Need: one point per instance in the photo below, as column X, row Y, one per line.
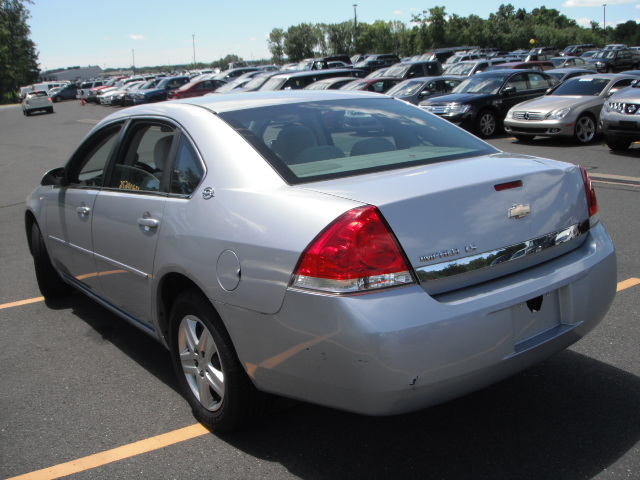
column 519, row 211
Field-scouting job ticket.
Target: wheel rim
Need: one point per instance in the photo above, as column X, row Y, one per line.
column 585, row 129
column 200, row 361
column 487, row 124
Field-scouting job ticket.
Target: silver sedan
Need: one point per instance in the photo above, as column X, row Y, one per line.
column 273, row 249
column 572, row 109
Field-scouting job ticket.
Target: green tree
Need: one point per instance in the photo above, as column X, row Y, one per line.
column 300, row 41
column 276, row 45
column 18, row 57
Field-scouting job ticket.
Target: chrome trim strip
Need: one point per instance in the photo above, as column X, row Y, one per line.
column 101, row 257
column 121, row 265
column 510, row 253
column 71, row 245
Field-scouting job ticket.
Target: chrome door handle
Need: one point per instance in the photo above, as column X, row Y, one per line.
column 83, row 211
column 148, row 223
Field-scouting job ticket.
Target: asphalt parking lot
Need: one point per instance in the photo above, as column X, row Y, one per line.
column 86, row 396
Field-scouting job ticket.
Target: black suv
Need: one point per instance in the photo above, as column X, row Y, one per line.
column 481, row 102
column 67, row 92
column 618, row 60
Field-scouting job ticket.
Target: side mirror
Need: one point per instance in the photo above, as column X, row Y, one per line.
column 425, row 93
column 56, row 177
column 509, row 90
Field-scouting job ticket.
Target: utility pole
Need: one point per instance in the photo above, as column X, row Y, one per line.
column 355, row 28
column 194, row 50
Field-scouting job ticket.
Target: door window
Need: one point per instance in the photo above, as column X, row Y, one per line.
column 187, row 171
column 89, row 163
column 145, row 158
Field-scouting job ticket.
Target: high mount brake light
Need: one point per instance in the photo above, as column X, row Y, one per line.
column 355, row 253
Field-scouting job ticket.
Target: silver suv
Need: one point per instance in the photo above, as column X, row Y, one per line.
column 620, row 118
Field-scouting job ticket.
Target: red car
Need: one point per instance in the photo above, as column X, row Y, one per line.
column 197, row 88
column 378, row 85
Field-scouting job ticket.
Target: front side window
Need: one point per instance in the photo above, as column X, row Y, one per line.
column 145, row 158
column 88, row 165
column 187, row 171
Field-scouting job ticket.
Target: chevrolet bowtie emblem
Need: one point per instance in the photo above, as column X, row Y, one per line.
column 519, row 211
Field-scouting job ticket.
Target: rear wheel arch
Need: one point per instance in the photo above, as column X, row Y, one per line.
column 170, row 287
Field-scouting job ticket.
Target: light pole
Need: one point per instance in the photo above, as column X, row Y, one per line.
column 194, row 50
column 133, row 60
column 355, row 28
column 604, row 21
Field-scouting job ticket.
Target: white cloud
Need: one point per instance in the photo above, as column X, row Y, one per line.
column 596, row 3
column 584, row 22
column 398, row 12
column 133, row 36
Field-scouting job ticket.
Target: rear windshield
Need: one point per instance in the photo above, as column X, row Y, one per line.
column 308, row 141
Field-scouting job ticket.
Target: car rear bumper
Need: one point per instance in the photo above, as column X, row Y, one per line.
column 402, row 350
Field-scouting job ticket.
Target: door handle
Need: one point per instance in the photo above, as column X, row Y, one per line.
column 148, row 223
column 83, row 211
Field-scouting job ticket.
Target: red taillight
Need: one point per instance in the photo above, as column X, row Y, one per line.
column 355, row 253
column 592, row 201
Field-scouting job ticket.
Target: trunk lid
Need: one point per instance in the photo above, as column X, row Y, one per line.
column 462, row 222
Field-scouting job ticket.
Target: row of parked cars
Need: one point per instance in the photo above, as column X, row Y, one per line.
column 482, row 95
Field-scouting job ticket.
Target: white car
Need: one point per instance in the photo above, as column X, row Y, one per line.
column 37, row 101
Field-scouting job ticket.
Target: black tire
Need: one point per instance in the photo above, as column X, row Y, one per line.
column 585, row 129
column 213, row 380
column 609, row 69
column 617, row 145
column 50, row 283
column 524, row 138
column 27, row 113
column 486, row 124
column 50, row 109
column 56, row 99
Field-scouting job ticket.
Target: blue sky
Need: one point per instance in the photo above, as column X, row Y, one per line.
column 114, row 33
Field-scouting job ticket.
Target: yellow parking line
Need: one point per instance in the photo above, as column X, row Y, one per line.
column 21, row 302
column 631, row 282
column 116, row 454
column 146, row 445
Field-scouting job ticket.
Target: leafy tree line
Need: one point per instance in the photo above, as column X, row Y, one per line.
column 18, row 57
column 507, row 29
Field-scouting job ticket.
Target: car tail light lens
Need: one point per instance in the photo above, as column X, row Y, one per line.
column 356, row 253
column 592, row 201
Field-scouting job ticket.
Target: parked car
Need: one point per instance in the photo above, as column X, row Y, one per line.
column 117, row 96
column 332, row 83
column 530, row 65
column 481, row 102
column 472, row 67
column 541, row 53
column 572, row 62
column 378, row 85
column 251, row 86
column 616, row 60
column 297, row 80
column 564, row 74
column 85, row 87
column 377, row 61
column 618, row 118
column 406, row 70
column 37, row 102
column 244, row 235
column 577, row 50
column 195, row 89
column 67, row 92
column 572, row 109
column 589, row 54
column 158, row 93
column 414, row 90
column 229, row 75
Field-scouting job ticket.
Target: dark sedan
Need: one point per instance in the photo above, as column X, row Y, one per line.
column 481, row 102
column 158, row 93
column 415, row 90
